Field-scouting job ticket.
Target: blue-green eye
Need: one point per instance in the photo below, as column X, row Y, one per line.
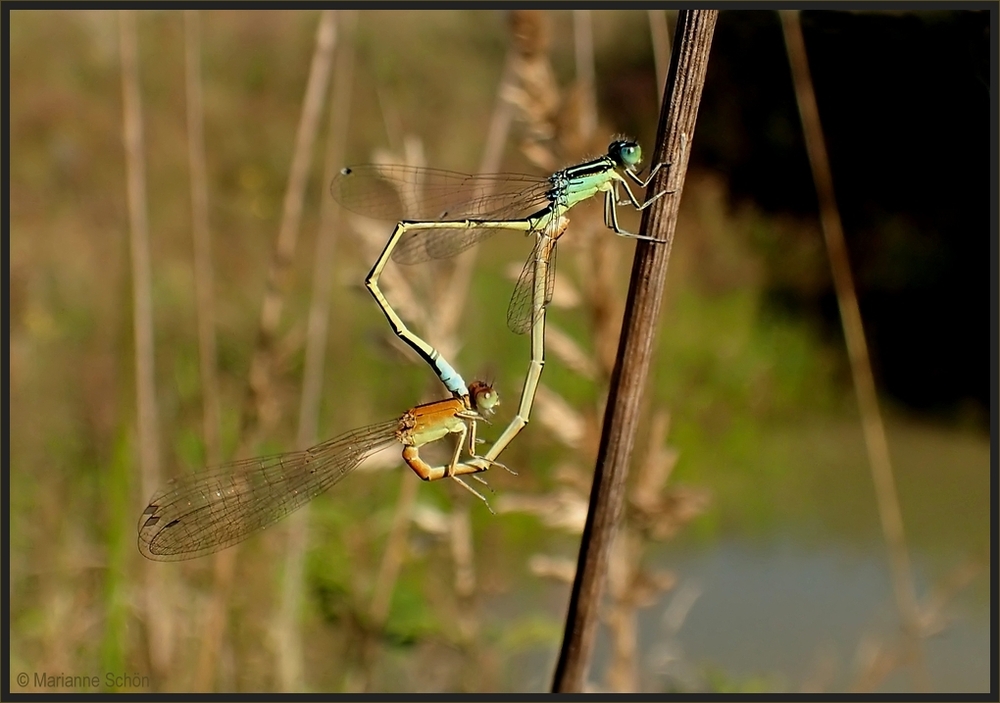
column 632, row 154
column 626, row 153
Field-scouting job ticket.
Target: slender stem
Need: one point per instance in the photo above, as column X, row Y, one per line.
column 660, row 32
column 448, row 315
column 857, row 349
column 158, row 621
column 202, row 238
column 286, row 628
column 211, row 626
column 148, row 425
column 452, row 303
column 319, row 311
column 692, row 41
column 260, row 405
column 260, row 396
column 583, row 42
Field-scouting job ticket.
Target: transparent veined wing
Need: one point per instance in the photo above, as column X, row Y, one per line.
column 397, row 193
column 520, row 311
column 204, row 512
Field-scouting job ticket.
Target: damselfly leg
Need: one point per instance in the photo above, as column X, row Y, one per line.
column 455, row 211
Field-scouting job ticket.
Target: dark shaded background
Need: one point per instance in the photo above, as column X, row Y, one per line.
column 905, row 105
column 905, row 109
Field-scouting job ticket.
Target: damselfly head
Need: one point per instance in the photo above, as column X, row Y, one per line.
column 625, row 153
column 484, row 398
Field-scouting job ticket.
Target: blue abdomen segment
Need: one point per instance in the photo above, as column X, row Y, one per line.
column 452, row 380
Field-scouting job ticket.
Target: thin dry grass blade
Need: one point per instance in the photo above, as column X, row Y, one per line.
column 677, row 123
column 563, row 421
column 202, row 239
column 535, row 91
column 260, row 409
column 569, row 353
column 660, row 32
column 393, row 556
column 158, row 586
column 620, row 618
column 211, row 631
column 554, row 568
column 443, row 326
column 583, row 43
column 395, row 551
column 655, row 470
column 452, row 302
column 604, row 306
column 564, row 509
column 319, row 311
column 286, row 630
column 886, row 495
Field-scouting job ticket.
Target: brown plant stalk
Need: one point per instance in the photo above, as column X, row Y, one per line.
column 260, row 407
column 659, row 511
column 448, row 300
column 157, row 588
column 204, row 295
column 886, row 495
column 659, row 30
column 680, row 108
column 286, row 628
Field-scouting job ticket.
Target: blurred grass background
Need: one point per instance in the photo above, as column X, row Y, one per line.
column 750, row 364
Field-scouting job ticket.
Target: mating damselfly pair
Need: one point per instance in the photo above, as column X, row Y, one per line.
column 438, row 214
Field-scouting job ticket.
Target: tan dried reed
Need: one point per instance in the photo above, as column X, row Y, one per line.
column 159, row 589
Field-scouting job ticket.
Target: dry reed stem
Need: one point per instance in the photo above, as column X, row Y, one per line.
column 620, row 617
column 553, row 568
column 877, row 660
column 261, row 407
column 394, row 554
column 864, row 383
column 158, row 584
column 202, row 239
column 535, row 92
column 569, row 352
column 655, row 514
column 565, row 509
column 680, row 107
column 320, row 303
column 212, row 622
column 943, row 593
column 448, row 300
column 663, row 511
column 597, row 256
column 453, row 300
column 205, row 296
column 359, row 679
column 286, row 626
column 604, row 305
column 655, row 471
column 659, row 31
column 561, row 419
column 583, row 44
column 460, row 534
